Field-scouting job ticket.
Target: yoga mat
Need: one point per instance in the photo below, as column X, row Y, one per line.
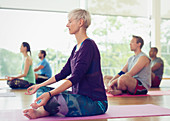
column 119, row 111
column 150, row 93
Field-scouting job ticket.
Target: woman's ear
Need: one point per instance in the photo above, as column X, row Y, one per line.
column 81, row 22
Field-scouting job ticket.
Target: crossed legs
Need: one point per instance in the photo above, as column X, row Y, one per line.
column 123, row 83
column 155, row 81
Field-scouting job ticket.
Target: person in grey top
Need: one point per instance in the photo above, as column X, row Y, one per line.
column 135, row 77
column 157, row 67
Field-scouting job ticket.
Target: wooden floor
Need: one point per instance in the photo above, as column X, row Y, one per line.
column 22, row 101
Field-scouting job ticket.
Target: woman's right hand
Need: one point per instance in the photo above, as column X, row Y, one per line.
column 44, row 99
column 31, row 90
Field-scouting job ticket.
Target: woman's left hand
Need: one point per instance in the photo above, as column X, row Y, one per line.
column 44, row 99
column 10, row 78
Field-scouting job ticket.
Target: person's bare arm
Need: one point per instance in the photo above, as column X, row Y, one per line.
column 156, row 66
column 140, row 64
column 31, row 90
column 38, row 68
column 125, row 68
column 113, row 82
column 46, row 96
column 26, row 69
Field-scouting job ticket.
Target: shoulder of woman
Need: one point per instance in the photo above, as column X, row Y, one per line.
column 28, row 59
column 88, row 43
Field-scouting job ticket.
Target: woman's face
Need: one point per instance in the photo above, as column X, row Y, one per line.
column 73, row 25
column 22, row 48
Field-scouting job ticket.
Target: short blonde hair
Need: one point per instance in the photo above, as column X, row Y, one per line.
column 81, row 14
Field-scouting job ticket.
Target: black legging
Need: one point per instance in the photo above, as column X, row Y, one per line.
column 18, row 83
column 41, row 78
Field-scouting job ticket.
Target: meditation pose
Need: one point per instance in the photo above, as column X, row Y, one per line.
column 135, row 77
column 43, row 67
column 27, row 70
column 88, row 96
column 157, row 67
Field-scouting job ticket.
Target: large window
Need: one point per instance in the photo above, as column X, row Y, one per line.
column 165, row 45
column 42, row 30
column 113, row 35
column 165, row 36
column 47, row 30
column 114, row 23
column 43, row 26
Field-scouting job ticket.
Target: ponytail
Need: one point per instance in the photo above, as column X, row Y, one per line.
column 25, row 44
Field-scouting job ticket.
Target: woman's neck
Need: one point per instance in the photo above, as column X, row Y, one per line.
column 81, row 36
column 25, row 54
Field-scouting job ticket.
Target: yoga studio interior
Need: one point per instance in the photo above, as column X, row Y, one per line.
column 43, row 24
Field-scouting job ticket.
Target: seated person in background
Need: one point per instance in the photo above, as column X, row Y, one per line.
column 27, row 70
column 88, row 96
column 157, row 67
column 43, row 67
column 135, row 77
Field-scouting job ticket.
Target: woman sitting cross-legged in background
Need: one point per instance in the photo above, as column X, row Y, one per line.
column 88, row 96
column 27, row 70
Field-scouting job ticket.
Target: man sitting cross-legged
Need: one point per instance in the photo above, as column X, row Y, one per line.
column 135, row 77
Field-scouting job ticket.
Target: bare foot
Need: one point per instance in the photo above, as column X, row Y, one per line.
column 115, row 92
column 34, row 113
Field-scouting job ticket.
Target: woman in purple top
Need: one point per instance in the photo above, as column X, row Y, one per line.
column 88, row 96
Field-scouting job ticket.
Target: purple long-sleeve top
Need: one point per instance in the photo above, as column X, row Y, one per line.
column 85, row 69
